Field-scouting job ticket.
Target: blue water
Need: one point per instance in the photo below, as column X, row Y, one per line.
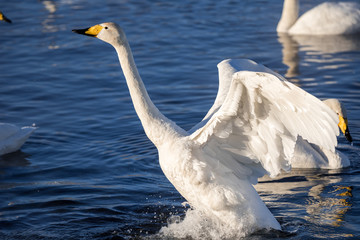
column 89, row 171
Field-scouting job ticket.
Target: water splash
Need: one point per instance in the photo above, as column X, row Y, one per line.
column 196, row 225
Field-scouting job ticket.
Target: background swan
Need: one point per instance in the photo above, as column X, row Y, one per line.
column 3, row 18
column 340, row 110
column 328, row 18
column 250, row 130
column 307, row 155
column 13, row 137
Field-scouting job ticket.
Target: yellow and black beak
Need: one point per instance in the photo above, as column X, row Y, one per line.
column 91, row 31
column 343, row 125
column 3, row 18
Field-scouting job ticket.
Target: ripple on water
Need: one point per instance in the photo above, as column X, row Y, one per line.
column 89, row 171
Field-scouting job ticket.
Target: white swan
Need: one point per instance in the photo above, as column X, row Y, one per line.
column 328, row 18
column 3, row 18
column 250, row 130
column 309, row 155
column 13, row 137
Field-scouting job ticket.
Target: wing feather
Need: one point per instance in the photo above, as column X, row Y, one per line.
column 258, row 122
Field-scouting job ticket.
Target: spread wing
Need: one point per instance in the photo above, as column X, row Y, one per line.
column 226, row 69
column 257, row 122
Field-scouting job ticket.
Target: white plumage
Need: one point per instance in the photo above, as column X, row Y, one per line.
column 308, row 155
column 328, row 18
column 13, row 137
column 251, row 130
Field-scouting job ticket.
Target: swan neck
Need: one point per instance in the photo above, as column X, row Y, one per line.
column 289, row 15
column 157, row 127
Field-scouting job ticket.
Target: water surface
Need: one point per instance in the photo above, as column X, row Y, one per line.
column 89, row 171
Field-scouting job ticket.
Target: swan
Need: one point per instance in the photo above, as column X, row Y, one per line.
column 307, row 155
column 3, row 18
column 340, row 110
column 328, row 18
column 250, row 130
column 13, row 137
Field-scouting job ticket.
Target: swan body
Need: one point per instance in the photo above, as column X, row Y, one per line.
column 328, row 18
column 251, row 130
column 307, row 155
column 13, row 137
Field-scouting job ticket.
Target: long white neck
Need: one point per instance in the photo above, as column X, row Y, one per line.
column 289, row 15
column 157, row 127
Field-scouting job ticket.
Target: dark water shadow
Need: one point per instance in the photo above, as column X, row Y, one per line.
column 14, row 159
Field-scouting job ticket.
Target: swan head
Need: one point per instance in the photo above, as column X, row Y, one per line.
column 108, row 32
column 3, row 18
column 340, row 110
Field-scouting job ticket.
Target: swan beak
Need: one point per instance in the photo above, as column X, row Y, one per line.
column 343, row 125
column 91, row 31
column 3, row 18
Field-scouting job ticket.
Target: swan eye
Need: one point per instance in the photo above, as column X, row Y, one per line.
column 106, row 27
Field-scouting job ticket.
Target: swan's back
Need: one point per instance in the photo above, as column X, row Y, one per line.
column 13, row 137
column 329, row 19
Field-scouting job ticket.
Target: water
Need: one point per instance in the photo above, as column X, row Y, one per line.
column 89, row 171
